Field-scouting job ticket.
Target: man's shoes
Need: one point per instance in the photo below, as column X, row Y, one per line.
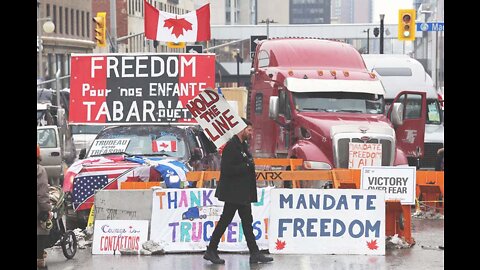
column 212, row 255
column 258, row 257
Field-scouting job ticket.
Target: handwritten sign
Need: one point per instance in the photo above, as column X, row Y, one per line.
column 364, row 154
column 106, row 146
column 110, row 236
column 397, row 182
column 327, row 221
column 215, row 115
column 184, row 220
column 137, row 88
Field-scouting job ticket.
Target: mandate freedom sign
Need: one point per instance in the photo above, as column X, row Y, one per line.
column 399, row 183
column 327, row 221
column 137, row 88
column 215, row 115
column 184, row 220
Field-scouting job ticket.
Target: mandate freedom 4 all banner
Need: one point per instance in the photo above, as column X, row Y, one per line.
column 137, row 88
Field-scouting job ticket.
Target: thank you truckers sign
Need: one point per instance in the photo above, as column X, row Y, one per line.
column 137, row 88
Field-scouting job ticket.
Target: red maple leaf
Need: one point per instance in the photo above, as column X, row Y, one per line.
column 372, row 244
column 280, row 244
column 163, row 145
column 177, row 25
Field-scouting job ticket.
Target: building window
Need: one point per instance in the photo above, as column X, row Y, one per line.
column 66, row 21
column 130, row 7
column 78, row 22
column 88, row 24
column 54, row 11
column 48, row 10
column 60, row 19
column 83, row 23
column 72, row 20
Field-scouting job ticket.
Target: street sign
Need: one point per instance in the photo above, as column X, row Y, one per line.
column 194, row 48
column 254, row 40
column 430, row 27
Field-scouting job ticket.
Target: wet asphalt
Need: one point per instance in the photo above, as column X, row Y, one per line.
column 425, row 254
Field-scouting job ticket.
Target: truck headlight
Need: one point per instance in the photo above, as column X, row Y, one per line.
column 316, row 165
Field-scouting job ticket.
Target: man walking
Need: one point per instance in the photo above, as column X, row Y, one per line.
column 237, row 188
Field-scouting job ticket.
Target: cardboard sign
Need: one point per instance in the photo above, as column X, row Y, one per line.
column 215, row 115
column 137, row 88
column 107, row 146
column 184, row 220
column 326, row 221
column 364, row 154
column 398, row 183
column 109, row 236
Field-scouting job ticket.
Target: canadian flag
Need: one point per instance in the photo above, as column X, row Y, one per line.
column 169, row 27
column 170, row 146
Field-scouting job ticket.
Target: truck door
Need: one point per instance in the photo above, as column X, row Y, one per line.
column 283, row 140
column 410, row 132
column 50, row 151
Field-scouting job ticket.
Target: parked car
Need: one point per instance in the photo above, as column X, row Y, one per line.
column 51, row 153
column 83, row 135
column 117, row 151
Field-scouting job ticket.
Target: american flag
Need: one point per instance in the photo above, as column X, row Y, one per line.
column 90, row 171
column 85, row 187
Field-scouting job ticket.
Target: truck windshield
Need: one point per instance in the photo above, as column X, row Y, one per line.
column 146, row 140
column 339, row 102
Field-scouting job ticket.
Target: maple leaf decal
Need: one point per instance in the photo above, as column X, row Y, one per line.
column 372, row 244
column 177, row 25
column 280, row 244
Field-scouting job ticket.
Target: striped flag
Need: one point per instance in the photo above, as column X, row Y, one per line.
column 169, row 27
column 94, row 177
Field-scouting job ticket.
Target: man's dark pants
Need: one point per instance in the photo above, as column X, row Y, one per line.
column 245, row 213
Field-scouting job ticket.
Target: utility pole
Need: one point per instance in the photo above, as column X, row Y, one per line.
column 113, row 25
column 268, row 21
column 382, row 16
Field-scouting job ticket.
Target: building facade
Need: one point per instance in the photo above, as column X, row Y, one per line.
column 72, row 34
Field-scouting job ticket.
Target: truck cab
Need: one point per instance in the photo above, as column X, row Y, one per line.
column 400, row 72
column 315, row 100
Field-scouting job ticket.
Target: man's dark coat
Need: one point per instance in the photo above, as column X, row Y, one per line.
column 237, row 174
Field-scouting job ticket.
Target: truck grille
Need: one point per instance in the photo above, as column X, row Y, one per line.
column 341, row 152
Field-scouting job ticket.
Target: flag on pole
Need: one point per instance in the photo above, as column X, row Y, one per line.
column 169, row 27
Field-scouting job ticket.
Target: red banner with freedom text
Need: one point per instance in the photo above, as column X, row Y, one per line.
column 137, row 88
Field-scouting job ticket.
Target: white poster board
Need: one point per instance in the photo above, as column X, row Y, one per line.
column 327, row 221
column 215, row 115
column 105, row 146
column 110, row 236
column 399, row 183
column 364, row 154
column 184, row 220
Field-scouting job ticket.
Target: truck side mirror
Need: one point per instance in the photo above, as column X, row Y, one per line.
column 273, row 108
column 397, row 114
column 82, row 153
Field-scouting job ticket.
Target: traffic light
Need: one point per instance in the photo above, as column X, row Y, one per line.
column 406, row 24
column 376, row 31
column 101, row 29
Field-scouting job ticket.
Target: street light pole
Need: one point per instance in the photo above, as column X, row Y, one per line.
column 48, row 27
column 382, row 16
column 368, row 39
column 239, row 60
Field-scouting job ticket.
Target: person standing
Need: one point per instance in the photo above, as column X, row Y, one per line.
column 43, row 212
column 238, row 189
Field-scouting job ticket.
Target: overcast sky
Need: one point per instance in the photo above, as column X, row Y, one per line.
column 390, row 9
